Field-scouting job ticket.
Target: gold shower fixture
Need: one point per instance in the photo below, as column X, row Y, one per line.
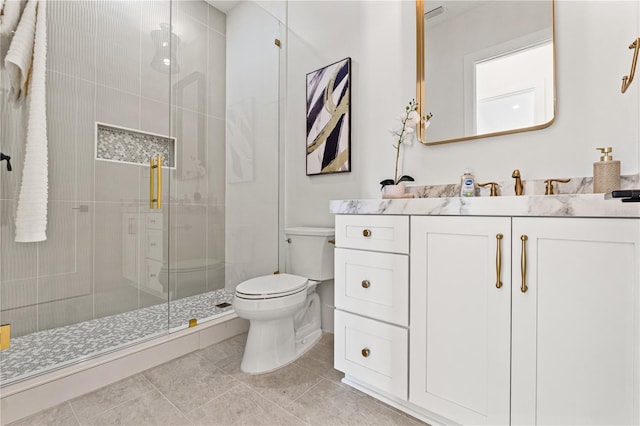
column 627, row 79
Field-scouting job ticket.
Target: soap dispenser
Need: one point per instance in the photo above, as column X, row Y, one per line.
column 606, row 172
column 467, row 184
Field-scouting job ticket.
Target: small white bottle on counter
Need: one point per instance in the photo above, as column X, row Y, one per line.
column 467, row 185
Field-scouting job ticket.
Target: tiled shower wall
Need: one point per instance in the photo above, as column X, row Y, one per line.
column 99, row 69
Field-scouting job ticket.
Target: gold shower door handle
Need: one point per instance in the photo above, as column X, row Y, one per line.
column 155, row 167
column 159, row 169
column 523, row 264
column 152, row 186
column 498, row 260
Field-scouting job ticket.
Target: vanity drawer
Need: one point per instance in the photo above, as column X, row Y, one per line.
column 153, row 221
column 154, row 244
column 373, row 352
column 373, row 284
column 152, row 269
column 368, row 232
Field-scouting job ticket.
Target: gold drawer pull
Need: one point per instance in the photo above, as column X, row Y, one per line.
column 366, row 284
column 366, row 232
column 498, row 260
column 523, row 264
column 365, row 352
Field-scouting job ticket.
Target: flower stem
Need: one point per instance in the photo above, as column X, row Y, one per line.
column 395, row 178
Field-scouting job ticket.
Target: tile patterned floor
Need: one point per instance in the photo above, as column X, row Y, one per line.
column 207, row 388
column 45, row 350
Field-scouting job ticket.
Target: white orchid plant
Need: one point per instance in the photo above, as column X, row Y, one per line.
column 405, row 133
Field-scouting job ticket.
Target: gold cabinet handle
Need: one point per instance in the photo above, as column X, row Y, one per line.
column 523, row 264
column 498, row 260
column 366, row 232
column 365, row 352
column 155, row 167
column 366, row 284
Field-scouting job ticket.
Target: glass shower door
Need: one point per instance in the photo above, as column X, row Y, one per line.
column 134, row 157
column 94, row 285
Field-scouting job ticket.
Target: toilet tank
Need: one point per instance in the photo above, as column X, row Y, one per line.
column 310, row 254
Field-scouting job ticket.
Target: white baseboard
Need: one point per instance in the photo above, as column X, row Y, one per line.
column 48, row 390
column 402, row 405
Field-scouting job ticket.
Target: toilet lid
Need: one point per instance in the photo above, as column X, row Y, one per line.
column 277, row 285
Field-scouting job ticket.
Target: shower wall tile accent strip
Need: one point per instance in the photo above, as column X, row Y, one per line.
column 133, row 146
column 41, row 351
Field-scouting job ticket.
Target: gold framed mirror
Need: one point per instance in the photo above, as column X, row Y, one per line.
column 484, row 68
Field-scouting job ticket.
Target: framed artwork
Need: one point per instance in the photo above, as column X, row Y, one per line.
column 329, row 119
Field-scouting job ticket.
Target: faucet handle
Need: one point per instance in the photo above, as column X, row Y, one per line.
column 494, row 187
column 4, row 157
column 549, row 185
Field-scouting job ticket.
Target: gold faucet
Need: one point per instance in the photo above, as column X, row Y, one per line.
column 549, row 185
column 494, row 187
column 519, row 188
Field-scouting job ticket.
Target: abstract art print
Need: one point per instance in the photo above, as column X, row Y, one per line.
column 329, row 119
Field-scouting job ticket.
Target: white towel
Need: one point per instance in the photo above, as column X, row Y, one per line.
column 10, row 11
column 31, row 59
column 19, row 60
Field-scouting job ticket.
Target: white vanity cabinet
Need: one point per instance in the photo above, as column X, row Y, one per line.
column 371, row 299
column 576, row 329
column 556, row 343
column 460, row 317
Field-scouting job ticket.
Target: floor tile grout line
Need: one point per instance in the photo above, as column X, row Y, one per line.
column 275, row 404
column 75, row 415
column 187, row 415
column 307, row 391
column 166, row 398
column 140, row 395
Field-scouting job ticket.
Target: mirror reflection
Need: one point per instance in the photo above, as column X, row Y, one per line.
column 488, row 68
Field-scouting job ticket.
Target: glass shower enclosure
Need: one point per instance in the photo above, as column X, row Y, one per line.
column 153, row 159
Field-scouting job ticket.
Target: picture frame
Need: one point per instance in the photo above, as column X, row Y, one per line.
column 328, row 108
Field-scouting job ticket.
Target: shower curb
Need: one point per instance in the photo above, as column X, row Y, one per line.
column 48, row 390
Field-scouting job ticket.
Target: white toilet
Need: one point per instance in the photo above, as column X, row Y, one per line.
column 190, row 275
column 284, row 309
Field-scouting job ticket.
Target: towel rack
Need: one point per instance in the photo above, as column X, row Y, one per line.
column 626, row 80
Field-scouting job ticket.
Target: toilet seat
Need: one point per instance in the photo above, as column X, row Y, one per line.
column 190, row 265
column 271, row 286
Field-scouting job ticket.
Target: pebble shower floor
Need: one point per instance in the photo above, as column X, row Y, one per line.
column 43, row 351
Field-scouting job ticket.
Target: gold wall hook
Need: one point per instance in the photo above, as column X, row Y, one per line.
column 627, row 79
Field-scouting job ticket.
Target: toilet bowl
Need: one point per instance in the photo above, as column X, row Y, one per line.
column 190, row 275
column 284, row 309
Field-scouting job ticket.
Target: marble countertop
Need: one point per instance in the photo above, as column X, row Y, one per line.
column 571, row 205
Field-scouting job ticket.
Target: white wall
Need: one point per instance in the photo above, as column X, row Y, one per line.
column 592, row 56
column 383, row 80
